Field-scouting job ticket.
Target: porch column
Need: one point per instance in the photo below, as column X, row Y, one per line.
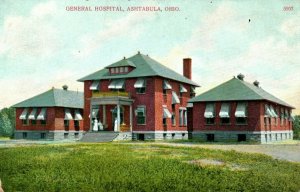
column 104, row 115
column 91, row 117
column 118, row 117
column 130, row 116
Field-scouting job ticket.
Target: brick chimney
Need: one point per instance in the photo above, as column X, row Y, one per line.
column 187, row 68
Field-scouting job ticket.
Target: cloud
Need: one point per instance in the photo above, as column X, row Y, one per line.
column 272, row 60
column 291, row 26
column 32, row 35
column 128, row 27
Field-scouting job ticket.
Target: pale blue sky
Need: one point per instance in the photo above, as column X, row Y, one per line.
column 42, row 45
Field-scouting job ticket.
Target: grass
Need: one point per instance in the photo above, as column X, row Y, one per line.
column 141, row 167
column 4, row 138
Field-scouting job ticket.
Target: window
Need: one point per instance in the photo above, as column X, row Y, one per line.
column 141, row 115
column 76, row 123
column 164, row 121
column 241, row 113
column 43, row 122
column 175, row 99
column 24, row 135
column 241, row 120
column 225, row 113
column 95, row 86
column 126, row 69
column 242, row 137
column 266, row 121
column 112, row 70
column 209, row 113
column 33, row 122
column 117, row 70
column 166, row 114
column 173, row 119
column 210, row 137
column 117, row 85
column 166, row 86
column 182, row 117
column 25, row 122
column 43, row 135
column 165, row 91
column 42, row 116
column 173, row 135
column 210, row 121
column 121, row 69
column 225, row 120
column 141, row 137
column 66, row 135
column 141, row 90
column 140, row 85
column 66, row 123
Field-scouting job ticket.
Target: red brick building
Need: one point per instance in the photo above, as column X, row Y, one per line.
column 240, row 111
column 54, row 114
column 138, row 98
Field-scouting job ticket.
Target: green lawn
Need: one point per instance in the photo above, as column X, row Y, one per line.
column 141, row 167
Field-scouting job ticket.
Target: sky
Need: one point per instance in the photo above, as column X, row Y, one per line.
column 42, row 45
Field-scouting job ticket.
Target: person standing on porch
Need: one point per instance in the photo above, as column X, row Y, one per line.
column 116, row 125
column 95, row 127
column 100, row 125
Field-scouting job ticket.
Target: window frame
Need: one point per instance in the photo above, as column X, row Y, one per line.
column 173, row 119
column 144, row 115
column 66, row 123
column 25, row 122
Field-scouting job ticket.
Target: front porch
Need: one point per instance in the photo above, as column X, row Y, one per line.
column 111, row 111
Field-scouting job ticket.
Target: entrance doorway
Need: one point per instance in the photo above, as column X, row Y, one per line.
column 115, row 115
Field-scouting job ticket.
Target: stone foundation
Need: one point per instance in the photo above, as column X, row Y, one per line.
column 49, row 135
column 235, row 136
column 160, row 135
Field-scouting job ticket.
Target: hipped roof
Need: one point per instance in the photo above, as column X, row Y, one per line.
column 144, row 66
column 237, row 90
column 54, row 98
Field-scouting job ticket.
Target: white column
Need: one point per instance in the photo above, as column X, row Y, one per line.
column 118, row 117
column 91, row 117
column 130, row 116
column 104, row 114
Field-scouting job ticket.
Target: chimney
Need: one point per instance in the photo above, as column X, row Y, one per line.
column 241, row 77
column 187, row 68
column 65, row 87
column 256, row 83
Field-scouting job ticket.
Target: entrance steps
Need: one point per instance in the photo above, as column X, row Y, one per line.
column 95, row 137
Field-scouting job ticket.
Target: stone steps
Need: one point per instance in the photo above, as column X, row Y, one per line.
column 96, row 137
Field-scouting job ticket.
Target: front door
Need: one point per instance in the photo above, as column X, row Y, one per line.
column 115, row 116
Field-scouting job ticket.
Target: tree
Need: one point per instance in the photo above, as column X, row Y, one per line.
column 296, row 127
column 7, row 121
column 11, row 114
column 5, row 126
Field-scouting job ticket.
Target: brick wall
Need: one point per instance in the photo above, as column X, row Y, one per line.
column 152, row 99
column 255, row 118
column 161, row 99
column 54, row 120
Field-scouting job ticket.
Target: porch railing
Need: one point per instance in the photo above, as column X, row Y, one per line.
column 110, row 94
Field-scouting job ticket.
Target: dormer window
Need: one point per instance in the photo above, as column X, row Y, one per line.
column 112, row 70
column 121, row 67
